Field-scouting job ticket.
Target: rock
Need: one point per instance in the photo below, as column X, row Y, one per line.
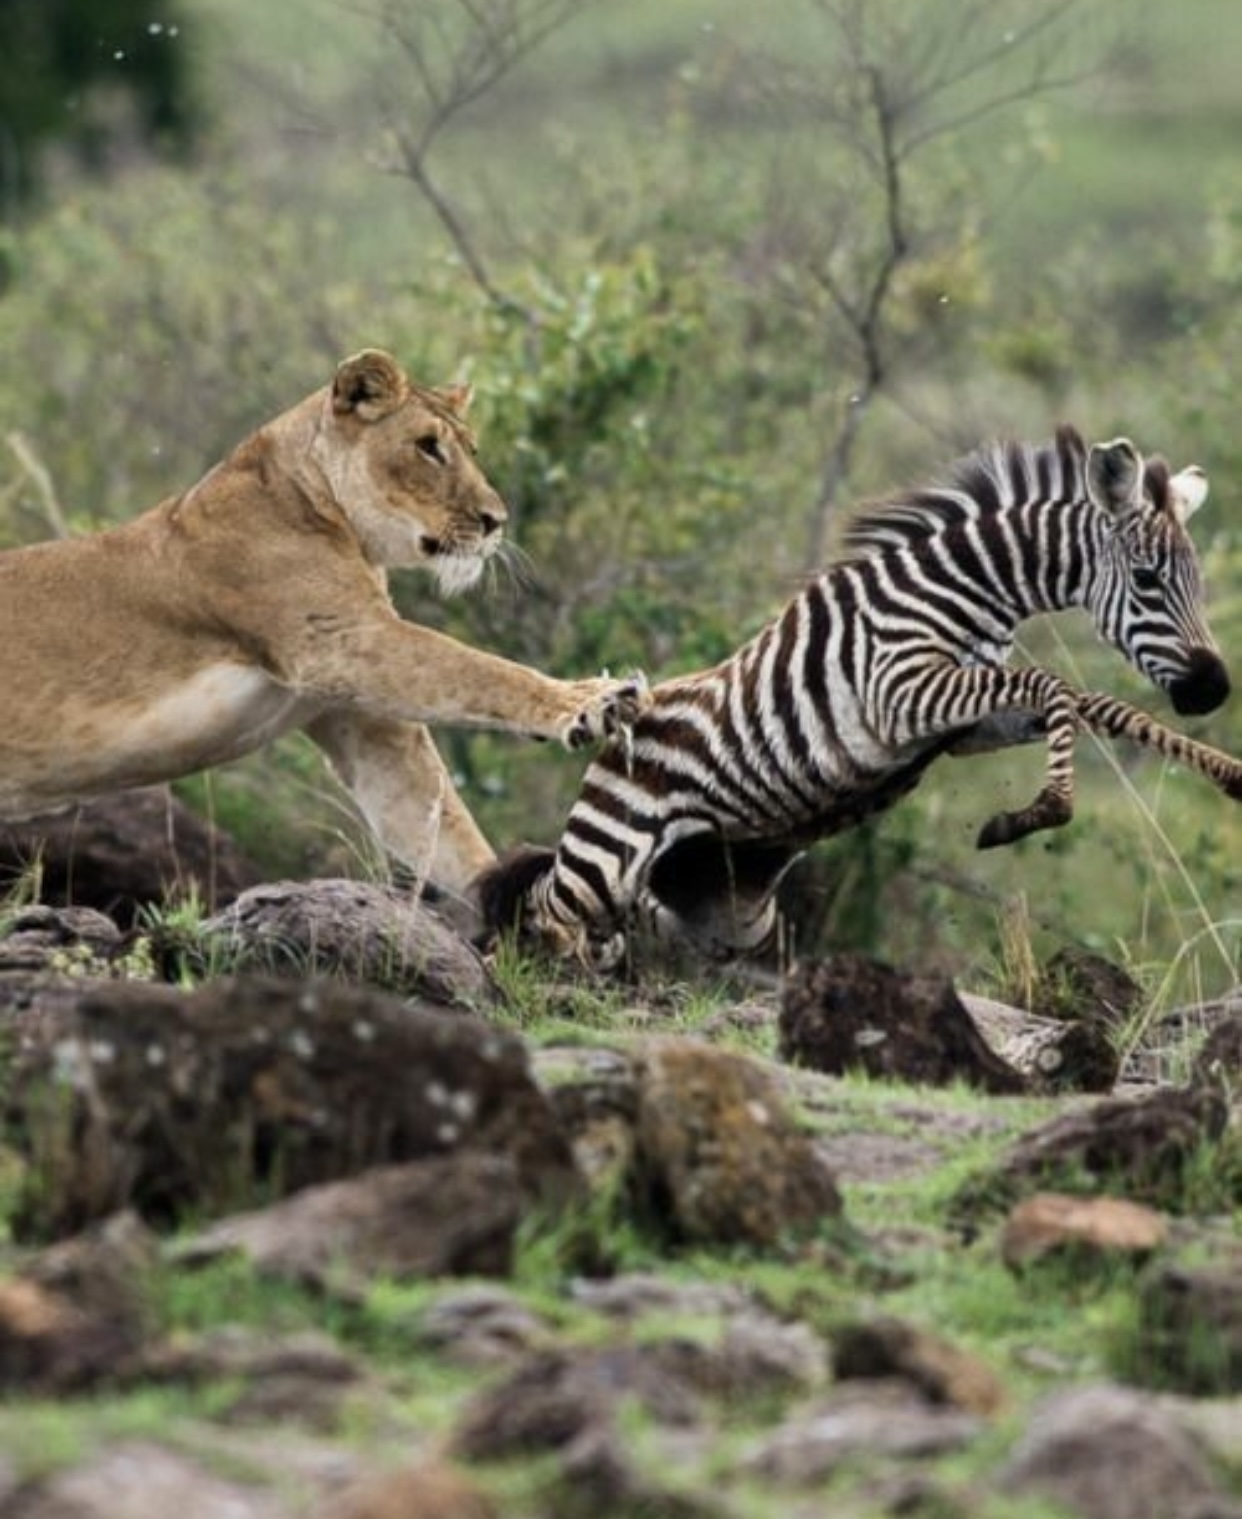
column 302, row 1377
column 634, row 1294
column 1105, row 1452
column 752, row 1349
column 433, row 1490
column 75, row 1315
column 1141, row 1147
column 169, row 1101
column 1189, row 1331
column 577, row 1404
column 941, row 1372
column 48, row 1345
column 553, row 1398
column 851, row 1013
column 354, row 929
column 451, row 1215
column 138, row 1479
column 758, row 1354
column 1053, row 1223
column 596, row 1102
column 106, row 1270
column 124, row 852
column 52, row 941
column 857, row 1422
column 1077, row 985
column 482, row 1325
column 718, row 1159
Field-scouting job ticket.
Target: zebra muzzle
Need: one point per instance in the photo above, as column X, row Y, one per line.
column 1202, row 687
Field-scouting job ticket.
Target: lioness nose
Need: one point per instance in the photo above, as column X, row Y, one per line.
column 492, row 521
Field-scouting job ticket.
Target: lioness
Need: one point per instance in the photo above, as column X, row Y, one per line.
column 257, row 602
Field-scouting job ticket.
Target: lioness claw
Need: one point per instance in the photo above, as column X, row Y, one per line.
column 615, row 706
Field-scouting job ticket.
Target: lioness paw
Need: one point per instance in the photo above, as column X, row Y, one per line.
column 611, row 706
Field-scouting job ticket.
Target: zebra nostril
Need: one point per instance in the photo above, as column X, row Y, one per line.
column 1202, row 687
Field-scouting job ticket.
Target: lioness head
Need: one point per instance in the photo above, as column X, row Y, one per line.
column 400, row 462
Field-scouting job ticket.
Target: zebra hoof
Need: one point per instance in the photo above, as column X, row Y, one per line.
column 1049, row 810
column 1002, row 829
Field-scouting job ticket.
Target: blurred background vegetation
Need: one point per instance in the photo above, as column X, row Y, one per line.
column 716, row 271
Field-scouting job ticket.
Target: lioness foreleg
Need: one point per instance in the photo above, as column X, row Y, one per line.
column 406, row 794
column 413, row 674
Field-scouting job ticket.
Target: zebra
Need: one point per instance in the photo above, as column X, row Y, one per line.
column 893, row 656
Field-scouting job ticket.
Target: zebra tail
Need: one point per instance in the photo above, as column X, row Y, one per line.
column 503, row 890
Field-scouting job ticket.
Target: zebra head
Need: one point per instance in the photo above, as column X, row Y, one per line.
column 1147, row 597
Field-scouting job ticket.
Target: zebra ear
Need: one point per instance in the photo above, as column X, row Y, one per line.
column 1188, row 491
column 1114, row 474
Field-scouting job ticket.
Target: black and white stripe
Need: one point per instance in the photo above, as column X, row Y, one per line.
column 893, row 656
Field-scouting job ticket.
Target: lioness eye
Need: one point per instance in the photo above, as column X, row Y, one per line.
column 430, row 447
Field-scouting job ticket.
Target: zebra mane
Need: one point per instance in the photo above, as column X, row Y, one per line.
column 994, row 477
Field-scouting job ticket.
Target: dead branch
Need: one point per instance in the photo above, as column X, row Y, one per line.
column 888, row 96
column 40, row 477
column 447, row 57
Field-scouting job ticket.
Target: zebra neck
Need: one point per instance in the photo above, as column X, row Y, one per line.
column 1063, row 545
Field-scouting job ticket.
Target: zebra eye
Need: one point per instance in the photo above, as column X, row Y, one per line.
column 430, row 447
column 1146, row 579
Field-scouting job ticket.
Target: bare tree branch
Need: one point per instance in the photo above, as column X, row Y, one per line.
column 901, row 80
column 40, row 477
column 453, row 52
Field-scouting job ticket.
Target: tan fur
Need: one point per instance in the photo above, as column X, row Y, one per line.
column 257, row 602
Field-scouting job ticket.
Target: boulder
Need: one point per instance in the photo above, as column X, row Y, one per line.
column 718, row 1159
column 431, row 1490
column 941, row 1371
column 552, row 1399
column 1107, row 1229
column 305, row 1378
column 1142, row 1148
column 851, row 1013
column 125, row 852
column 860, row 1421
column 1105, row 1452
column 1077, row 985
column 1189, row 1331
column 167, row 1101
column 450, row 1215
column 140, row 1479
column 53, row 942
column 357, row 930
column 75, row 1315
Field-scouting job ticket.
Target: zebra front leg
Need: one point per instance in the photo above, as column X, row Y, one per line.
column 935, row 698
column 1117, row 719
column 1054, row 806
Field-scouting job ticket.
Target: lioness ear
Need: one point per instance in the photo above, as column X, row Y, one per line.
column 371, row 384
column 1114, row 473
column 457, row 397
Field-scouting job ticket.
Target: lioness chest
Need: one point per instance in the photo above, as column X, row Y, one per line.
column 91, row 742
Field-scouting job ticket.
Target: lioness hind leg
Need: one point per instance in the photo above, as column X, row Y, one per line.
column 407, row 796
